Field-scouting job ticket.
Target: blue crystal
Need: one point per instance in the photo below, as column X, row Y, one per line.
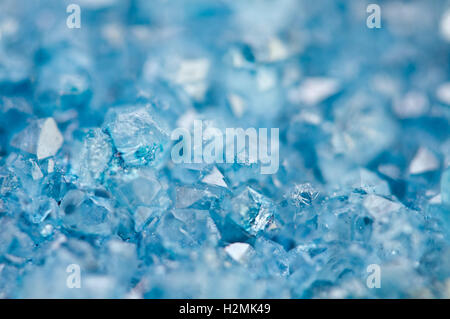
column 92, row 156
column 42, row 208
column 87, row 179
column 250, row 210
column 86, row 214
column 139, row 136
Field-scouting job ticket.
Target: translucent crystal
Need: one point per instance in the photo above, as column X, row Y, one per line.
column 251, row 210
column 91, row 158
column 16, row 247
column 215, row 178
column 314, row 90
column 139, row 136
column 187, row 197
column 303, row 194
column 443, row 91
column 42, row 207
column 424, row 161
column 273, row 258
column 378, row 205
column 41, row 138
column 413, row 105
column 188, row 229
column 239, row 251
column 86, row 214
column 87, row 180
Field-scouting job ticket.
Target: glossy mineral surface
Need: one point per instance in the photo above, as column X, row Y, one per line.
column 86, row 177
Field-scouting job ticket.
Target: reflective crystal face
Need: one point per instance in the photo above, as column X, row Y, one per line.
column 138, row 136
column 92, row 204
column 250, row 210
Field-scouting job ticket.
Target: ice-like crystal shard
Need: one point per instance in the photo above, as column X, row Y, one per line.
column 363, row 178
column 174, row 236
column 443, row 91
column 371, row 183
column 139, row 191
column 378, row 205
column 303, row 194
column 413, row 105
column 86, row 214
column 141, row 194
column 41, row 208
column 41, row 138
column 16, row 246
column 191, row 197
column 424, row 161
column 140, row 136
column 142, row 216
column 36, row 172
column 251, row 210
column 314, row 90
column 271, row 260
column 239, row 251
column 91, row 159
column 215, row 178
column 199, row 226
column 361, row 129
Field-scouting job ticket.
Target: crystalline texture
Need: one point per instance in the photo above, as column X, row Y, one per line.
column 41, row 138
column 94, row 156
column 85, row 214
column 424, row 161
column 139, row 136
column 251, row 210
column 86, row 176
column 303, row 194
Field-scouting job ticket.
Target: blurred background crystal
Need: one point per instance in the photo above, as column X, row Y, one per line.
column 85, row 170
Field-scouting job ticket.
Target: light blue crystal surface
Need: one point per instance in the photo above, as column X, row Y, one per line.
column 86, row 176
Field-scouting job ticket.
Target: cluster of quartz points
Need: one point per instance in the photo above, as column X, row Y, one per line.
column 85, row 170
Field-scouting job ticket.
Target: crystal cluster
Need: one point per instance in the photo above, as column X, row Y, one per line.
column 86, row 176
